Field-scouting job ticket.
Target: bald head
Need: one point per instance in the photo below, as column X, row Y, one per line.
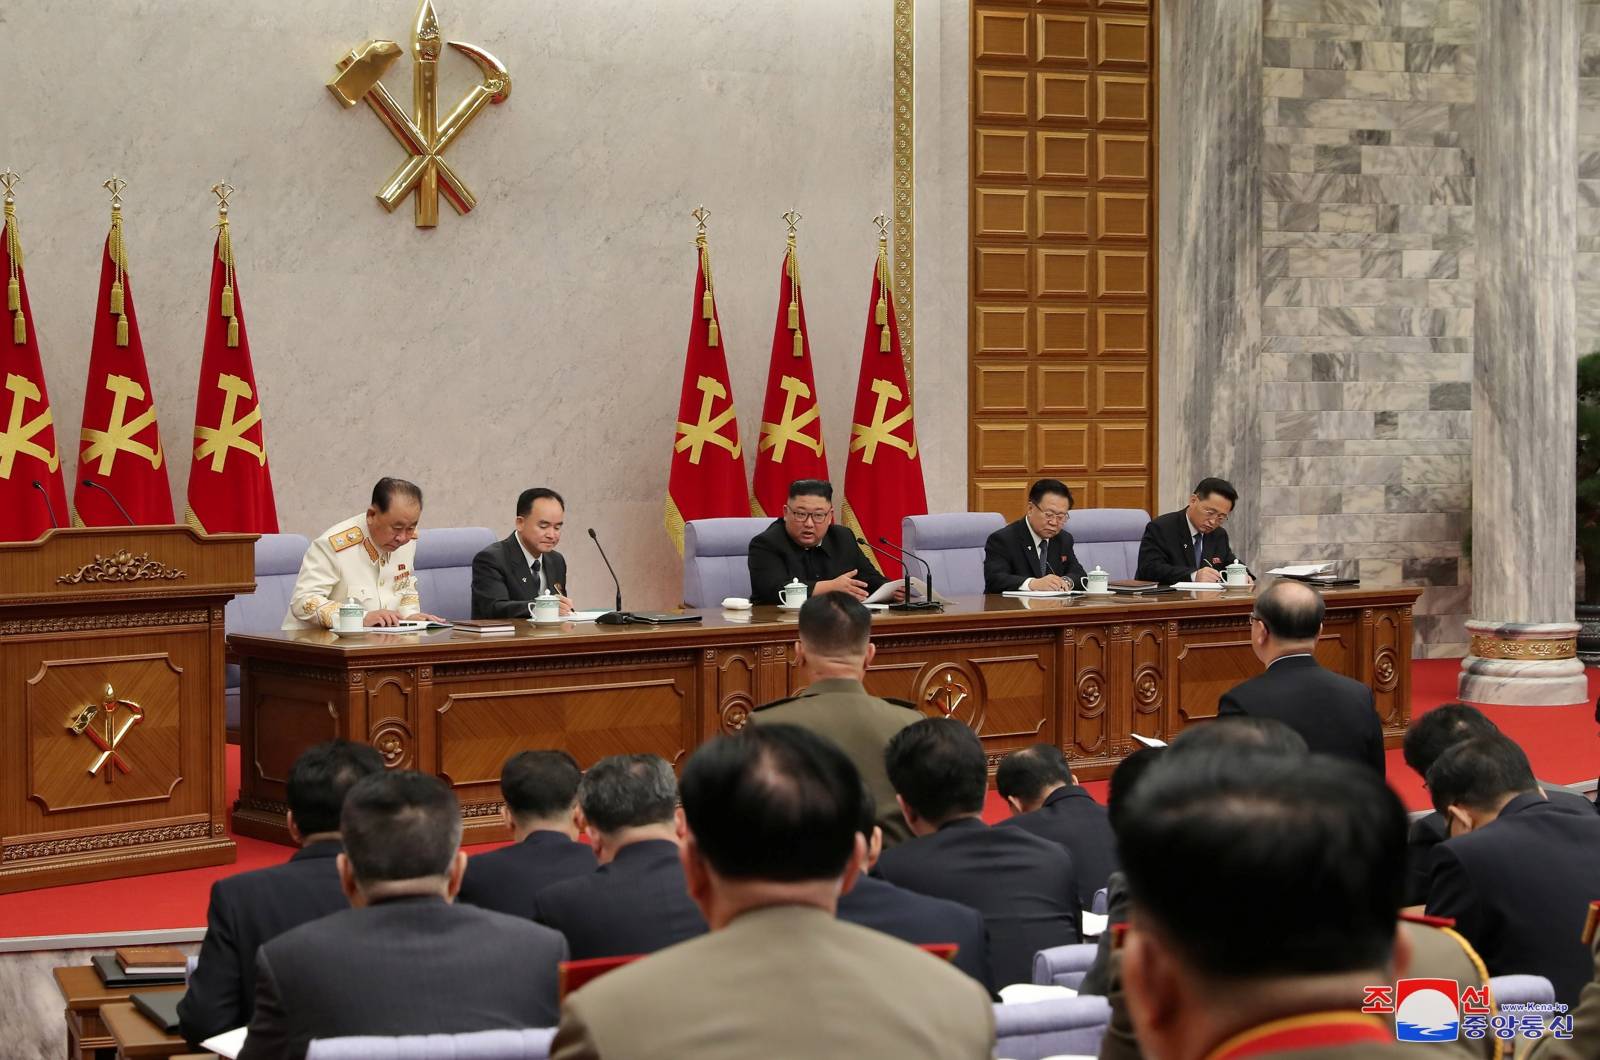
column 1289, row 614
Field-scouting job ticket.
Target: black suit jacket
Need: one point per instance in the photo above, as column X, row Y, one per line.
column 1009, row 559
column 637, row 903
column 503, row 584
column 1166, row 552
column 775, row 560
column 507, row 880
column 1428, row 832
column 1334, row 713
column 245, row 911
column 1519, row 889
column 1071, row 817
column 1024, row 886
column 920, row 920
column 404, row 966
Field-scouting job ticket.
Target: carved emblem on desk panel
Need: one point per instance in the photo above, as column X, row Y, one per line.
column 953, row 690
column 121, row 566
column 393, row 740
column 735, row 711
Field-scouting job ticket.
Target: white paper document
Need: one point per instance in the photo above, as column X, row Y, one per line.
column 228, row 1043
column 885, row 592
column 1301, row 570
column 1148, row 741
column 1094, row 924
column 1022, row 993
column 1198, row 585
column 1041, row 594
column 582, row 616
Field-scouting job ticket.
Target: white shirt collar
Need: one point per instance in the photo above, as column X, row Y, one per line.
column 1294, row 655
column 1193, row 530
column 1037, row 540
column 530, row 557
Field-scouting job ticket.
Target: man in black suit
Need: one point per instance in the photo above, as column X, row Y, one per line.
column 1190, row 545
column 637, row 900
column 807, row 545
column 507, row 575
column 1334, row 713
column 1518, row 871
column 402, row 959
column 1046, row 800
column 1035, row 552
column 540, row 789
column 248, row 909
column 911, row 917
column 1431, row 735
column 1024, row 886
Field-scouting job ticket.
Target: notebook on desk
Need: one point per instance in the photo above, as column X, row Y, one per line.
column 159, row 1008
column 112, row 975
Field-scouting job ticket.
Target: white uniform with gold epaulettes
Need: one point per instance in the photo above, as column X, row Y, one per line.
column 342, row 564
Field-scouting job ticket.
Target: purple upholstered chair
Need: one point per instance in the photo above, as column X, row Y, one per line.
column 715, row 566
column 1108, row 538
column 952, row 543
column 528, row 1044
column 1063, row 965
column 444, row 568
column 1034, row 1030
column 278, row 559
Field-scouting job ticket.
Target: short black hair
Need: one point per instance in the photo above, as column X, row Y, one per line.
column 1257, row 866
column 400, row 825
column 538, row 785
column 1434, row 733
column 811, row 487
column 387, row 489
column 1125, row 778
column 1479, row 773
column 1025, row 774
column 1219, row 486
column 868, row 818
column 775, row 802
column 938, row 766
column 835, row 624
column 1242, row 732
column 526, row 498
column 1290, row 610
column 1046, row 486
column 628, row 791
column 320, row 779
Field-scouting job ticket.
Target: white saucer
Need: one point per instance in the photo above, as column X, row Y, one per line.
column 1108, row 592
column 790, row 607
column 549, row 621
column 362, row 632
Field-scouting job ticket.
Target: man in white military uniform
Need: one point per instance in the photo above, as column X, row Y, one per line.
column 369, row 558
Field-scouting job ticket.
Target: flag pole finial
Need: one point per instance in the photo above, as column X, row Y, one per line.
column 700, row 213
column 882, row 221
column 9, row 180
column 222, row 190
column 116, row 186
column 792, row 219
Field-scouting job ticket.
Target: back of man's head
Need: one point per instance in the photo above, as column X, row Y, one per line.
column 1027, row 774
column 540, row 785
column 320, row 779
column 776, row 802
column 1291, row 610
column 835, row 626
column 1251, row 865
column 400, row 825
column 1434, row 733
column 628, row 791
column 937, row 766
column 1125, row 778
column 1242, row 732
column 1480, row 774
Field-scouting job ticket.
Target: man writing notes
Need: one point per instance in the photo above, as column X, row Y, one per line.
column 369, row 558
column 508, row 574
column 805, row 544
column 1035, row 552
column 1190, row 545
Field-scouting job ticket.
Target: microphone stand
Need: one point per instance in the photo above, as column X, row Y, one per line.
column 616, row 617
column 907, row 604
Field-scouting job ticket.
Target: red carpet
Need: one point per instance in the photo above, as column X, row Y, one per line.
column 1561, row 742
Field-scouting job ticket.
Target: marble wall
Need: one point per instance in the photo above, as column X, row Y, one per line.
column 541, row 339
column 1588, row 260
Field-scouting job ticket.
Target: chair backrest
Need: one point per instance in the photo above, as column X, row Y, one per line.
column 1033, row 1030
column 444, row 568
column 278, row 559
column 714, row 559
column 1108, row 538
column 1064, row 965
column 525, row 1044
column 1101, row 900
column 952, row 543
column 1521, row 990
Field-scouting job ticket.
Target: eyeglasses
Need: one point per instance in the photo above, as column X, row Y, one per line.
column 1214, row 515
column 1051, row 517
column 808, row 517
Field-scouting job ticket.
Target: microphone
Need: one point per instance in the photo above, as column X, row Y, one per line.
column 55, row 524
column 617, row 617
column 899, row 553
column 92, row 484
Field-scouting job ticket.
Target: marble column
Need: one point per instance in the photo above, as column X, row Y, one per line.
column 1210, row 329
column 1524, row 359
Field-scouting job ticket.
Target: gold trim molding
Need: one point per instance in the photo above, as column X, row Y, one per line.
column 904, row 212
column 1486, row 647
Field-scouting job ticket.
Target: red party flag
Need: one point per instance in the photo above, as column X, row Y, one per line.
column 791, row 420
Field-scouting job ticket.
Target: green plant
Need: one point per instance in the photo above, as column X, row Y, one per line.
column 1589, row 474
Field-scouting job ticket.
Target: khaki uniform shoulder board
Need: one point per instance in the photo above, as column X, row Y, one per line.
column 776, row 703
column 903, row 703
column 346, row 539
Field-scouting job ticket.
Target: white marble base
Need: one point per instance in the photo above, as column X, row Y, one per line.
column 1526, row 681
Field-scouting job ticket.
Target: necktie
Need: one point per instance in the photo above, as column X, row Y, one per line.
column 538, row 576
column 1199, row 541
column 1044, row 562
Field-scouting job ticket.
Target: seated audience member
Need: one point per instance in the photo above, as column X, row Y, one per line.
column 1429, row 736
column 403, row 959
column 807, row 545
column 1035, row 552
column 636, row 901
column 509, row 574
column 251, row 907
column 833, row 654
column 1585, row 1022
column 1024, row 886
column 1098, row 979
column 773, row 818
column 1224, row 954
column 541, row 793
column 1518, row 872
column 912, row 917
column 1334, row 713
column 1038, row 785
column 1190, row 545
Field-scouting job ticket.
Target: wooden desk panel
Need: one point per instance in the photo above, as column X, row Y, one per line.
column 1085, row 675
column 135, row 1036
column 84, row 993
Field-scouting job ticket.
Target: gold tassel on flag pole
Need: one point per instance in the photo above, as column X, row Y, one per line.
column 792, row 272
column 225, row 254
column 119, row 260
column 707, row 301
column 880, row 312
column 19, row 322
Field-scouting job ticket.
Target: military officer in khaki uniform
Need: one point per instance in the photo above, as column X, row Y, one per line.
column 369, row 558
column 834, row 651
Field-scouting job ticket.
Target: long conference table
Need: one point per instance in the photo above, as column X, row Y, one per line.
column 1086, row 675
